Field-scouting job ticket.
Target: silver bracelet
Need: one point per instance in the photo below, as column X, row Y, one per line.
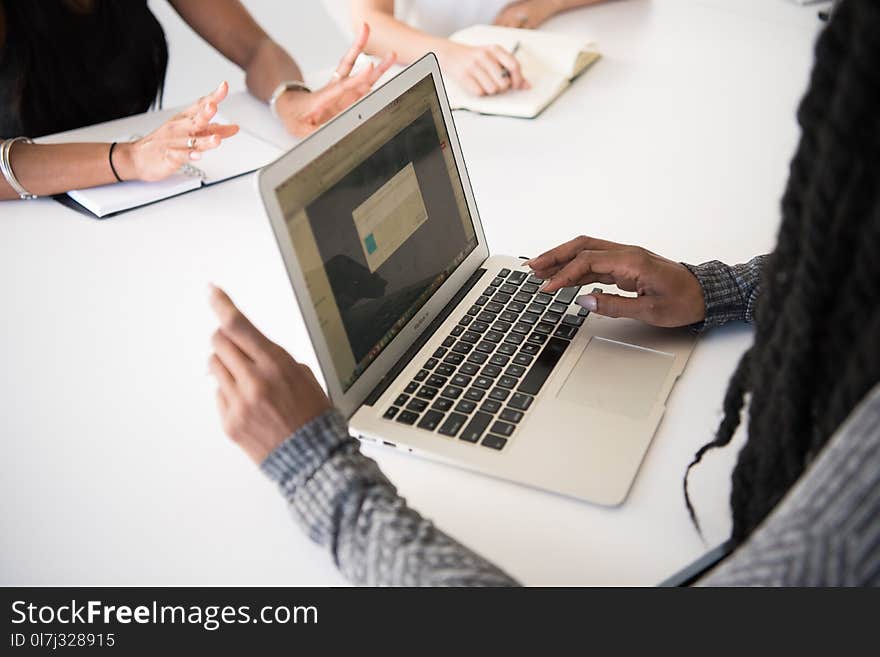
column 289, row 85
column 6, row 167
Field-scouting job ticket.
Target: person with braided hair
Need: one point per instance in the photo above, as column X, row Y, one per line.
column 805, row 498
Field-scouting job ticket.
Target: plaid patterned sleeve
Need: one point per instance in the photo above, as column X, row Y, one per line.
column 730, row 292
column 346, row 505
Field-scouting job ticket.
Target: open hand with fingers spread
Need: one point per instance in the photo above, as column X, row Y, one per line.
column 264, row 395
column 176, row 142
column 303, row 112
column 668, row 293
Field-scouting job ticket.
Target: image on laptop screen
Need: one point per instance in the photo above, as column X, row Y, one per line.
column 378, row 223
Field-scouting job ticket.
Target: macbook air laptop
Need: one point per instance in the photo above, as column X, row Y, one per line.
column 429, row 344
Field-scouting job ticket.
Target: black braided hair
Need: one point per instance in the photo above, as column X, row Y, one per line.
column 817, row 335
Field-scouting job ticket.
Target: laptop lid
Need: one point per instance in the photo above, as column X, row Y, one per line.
column 378, row 228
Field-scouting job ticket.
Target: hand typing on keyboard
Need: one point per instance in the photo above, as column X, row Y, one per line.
column 668, row 293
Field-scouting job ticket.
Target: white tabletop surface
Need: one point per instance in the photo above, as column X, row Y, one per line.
column 114, row 467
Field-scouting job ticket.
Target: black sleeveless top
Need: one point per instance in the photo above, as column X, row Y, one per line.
column 62, row 69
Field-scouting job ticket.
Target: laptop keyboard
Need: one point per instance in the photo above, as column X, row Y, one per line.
column 480, row 383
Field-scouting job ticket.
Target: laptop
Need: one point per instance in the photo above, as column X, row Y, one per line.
column 427, row 342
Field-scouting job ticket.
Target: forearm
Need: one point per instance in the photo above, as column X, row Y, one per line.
column 230, row 28
column 46, row 169
column 346, row 505
column 730, row 292
column 388, row 34
column 559, row 6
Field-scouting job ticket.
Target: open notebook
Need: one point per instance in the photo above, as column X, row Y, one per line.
column 549, row 62
column 236, row 156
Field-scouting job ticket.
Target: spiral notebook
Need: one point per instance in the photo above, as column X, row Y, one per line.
column 549, row 62
column 236, row 156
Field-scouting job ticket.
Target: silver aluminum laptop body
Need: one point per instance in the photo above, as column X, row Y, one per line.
column 352, row 208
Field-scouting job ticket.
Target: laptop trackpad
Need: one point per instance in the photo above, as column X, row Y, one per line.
column 618, row 378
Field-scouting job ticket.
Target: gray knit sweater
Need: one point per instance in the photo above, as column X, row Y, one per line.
column 826, row 531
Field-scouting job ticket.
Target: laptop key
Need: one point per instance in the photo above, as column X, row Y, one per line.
column 461, row 380
column 504, row 273
column 449, row 341
column 470, row 336
column 543, row 298
column 510, row 415
column 442, row 404
column 496, row 281
column 453, row 392
column 493, row 336
column 506, row 349
column 490, row 406
column 507, row 381
column 553, row 318
column 499, row 394
column 478, row 357
column 494, row 307
column 516, row 306
column 508, row 288
column 522, row 297
column 522, row 359
column 468, row 368
column 421, row 375
column 515, row 370
column 390, row 413
column 436, row 381
column 430, row 364
column 522, row 327
column 501, row 326
column 483, row 382
column 494, row 442
column 481, row 301
column 479, row 327
column 407, row 417
column 486, row 347
column 427, row 392
column 557, row 307
column 530, row 349
column 583, row 312
column 402, row 399
column 444, row 369
column 465, row 406
column 542, row 367
column 439, row 352
column 453, row 424
column 462, row 347
column 499, row 359
column 411, row 387
column 530, row 288
column 467, row 319
column 544, row 327
column 475, row 428
column 517, row 277
column 573, row 320
column 508, row 317
column 453, row 359
column 514, row 338
column 534, row 279
column 501, row 297
column 417, row 405
column 474, row 394
column 491, row 370
column 530, row 317
column 487, row 317
column 520, row 402
column 538, row 338
column 431, row 419
column 567, row 294
column 565, row 331
column 501, row 428
column 473, row 310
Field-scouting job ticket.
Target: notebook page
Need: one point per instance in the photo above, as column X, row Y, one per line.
column 239, row 154
column 108, row 199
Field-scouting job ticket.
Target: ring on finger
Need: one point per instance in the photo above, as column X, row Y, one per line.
column 337, row 76
column 191, row 143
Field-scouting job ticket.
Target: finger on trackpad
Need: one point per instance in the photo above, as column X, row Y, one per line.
column 618, row 378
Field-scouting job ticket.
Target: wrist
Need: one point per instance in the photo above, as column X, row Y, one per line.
column 124, row 160
column 291, row 101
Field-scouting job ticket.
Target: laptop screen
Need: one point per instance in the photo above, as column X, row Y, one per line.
column 378, row 222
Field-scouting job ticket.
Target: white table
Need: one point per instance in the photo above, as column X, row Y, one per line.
column 114, row 468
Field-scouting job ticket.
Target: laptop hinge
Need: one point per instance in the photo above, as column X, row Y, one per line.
column 420, row 342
